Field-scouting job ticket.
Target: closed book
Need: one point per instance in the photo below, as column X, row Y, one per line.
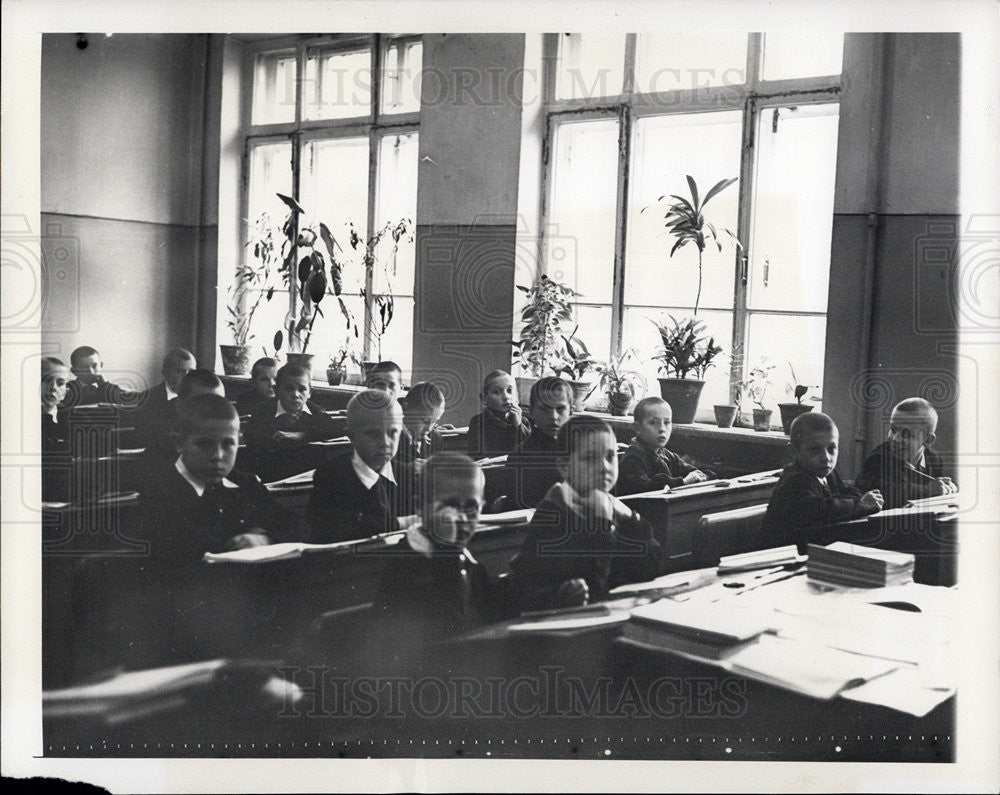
column 652, row 637
column 860, row 558
column 761, row 559
column 710, row 624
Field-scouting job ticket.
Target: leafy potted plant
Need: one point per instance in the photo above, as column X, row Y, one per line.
column 541, row 346
column 577, row 363
column 756, row 388
column 789, row 411
column 684, row 349
column 251, row 286
column 336, row 369
column 383, row 304
column 621, row 385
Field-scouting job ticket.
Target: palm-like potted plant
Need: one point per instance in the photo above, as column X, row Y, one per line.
column 252, row 285
column 621, row 384
column 576, row 364
column 541, row 345
column 789, row 411
column 684, row 349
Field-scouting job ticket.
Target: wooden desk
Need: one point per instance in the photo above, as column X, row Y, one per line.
column 674, row 515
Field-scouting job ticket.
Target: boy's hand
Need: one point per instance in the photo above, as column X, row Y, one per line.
column 572, row 593
column 418, row 465
column 451, row 527
column 695, row 477
column 943, row 486
column 513, row 415
column 872, row 501
column 255, row 538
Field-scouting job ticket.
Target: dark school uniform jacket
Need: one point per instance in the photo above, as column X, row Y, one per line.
column 800, row 500
column 490, row 435
column 100, row 392
column 341, row 508
column 898, row 480
column 533, row 469
column 643, row 468
column 155, row 415
column 563, row 544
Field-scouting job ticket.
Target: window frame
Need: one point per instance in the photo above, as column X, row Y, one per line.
column 752, row 98
column 374, row 126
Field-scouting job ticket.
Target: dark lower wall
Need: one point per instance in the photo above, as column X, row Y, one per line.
column 462, row 325
column 124, row 287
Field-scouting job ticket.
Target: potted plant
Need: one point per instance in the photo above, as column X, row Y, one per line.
column 684, row 349
column 577, row 363
column 621, row 385
column 685, row 222
column 541, row 346
column 251, row 286
column 789, row 411
column 756, row 388
column 383, row 304
column 336, row 368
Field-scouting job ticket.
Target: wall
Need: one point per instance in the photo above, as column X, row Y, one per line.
column 467, row 194
column 891, row 322
column 129, row 237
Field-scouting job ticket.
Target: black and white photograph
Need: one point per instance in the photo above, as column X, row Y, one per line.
column 501, row 396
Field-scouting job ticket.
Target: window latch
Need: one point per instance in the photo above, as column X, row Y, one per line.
column 767, row 271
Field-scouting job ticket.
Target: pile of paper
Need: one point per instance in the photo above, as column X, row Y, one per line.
column 704, row 631
column 761, row 559
column 841, row 563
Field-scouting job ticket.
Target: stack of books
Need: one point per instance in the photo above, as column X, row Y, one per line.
column 711, row 631
column 841, row 563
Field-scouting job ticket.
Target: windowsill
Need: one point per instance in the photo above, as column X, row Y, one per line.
column 704, row 430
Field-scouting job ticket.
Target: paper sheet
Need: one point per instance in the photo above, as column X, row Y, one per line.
column 901, row 690
column 566, row 624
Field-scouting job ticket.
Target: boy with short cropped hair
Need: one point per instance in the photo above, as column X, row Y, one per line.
column 261, row 386
column 54, row 385
column 198, row 503
column 433, row 587
column 904, row 467
column 809, row 492
column 157, row 407
column 537, row 462
column 422, row 410
column 501, row 426
column 647, row 464
column 361, row 493
column 582, row 542
column 89, row 386
column 387, row 376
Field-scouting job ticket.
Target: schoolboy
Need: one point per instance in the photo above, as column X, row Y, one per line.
column 536, row 464
column 433, row 587
column 89, row 386
column 360, row 493
column 157, row 406
column 260, row 388
column 54, row 385
column 198, row 503
column 422, row 410
column 809, row 492
column 581, row 541
column 904, row 467
column 290, row 417
column 501, row 426
column 647, row 464
column 387, row 376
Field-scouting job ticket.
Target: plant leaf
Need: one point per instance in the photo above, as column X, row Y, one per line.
column 291, row 203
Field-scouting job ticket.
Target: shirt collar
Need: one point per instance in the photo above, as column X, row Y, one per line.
column 419, row 542
column 281, row 410
column 367, row 475
column 197, row 484
column 171, row 395
column 52, row 412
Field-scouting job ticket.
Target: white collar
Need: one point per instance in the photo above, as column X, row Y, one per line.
column 52, row 412
column 198, row 485
column 921, row 462
column 422, row 544
column 367, row 475
column 171, row 395
column 281, row 409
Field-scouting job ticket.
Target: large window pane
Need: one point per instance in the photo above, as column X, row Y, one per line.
column 580, row 237
column 397, row 199
column 802, row 54
column 793, row 208
column 401, row 67
column 334, row 190
column 397, row 344
column 338, row 84
column 274, row 87
column 677, row 61
column 667, row 148
column 270, row 174
column 789, row 342
column 640, row 334
column 594, row 329
column 590, row 65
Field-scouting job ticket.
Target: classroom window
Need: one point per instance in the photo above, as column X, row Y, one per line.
column 628, row 118
column 347, row 153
